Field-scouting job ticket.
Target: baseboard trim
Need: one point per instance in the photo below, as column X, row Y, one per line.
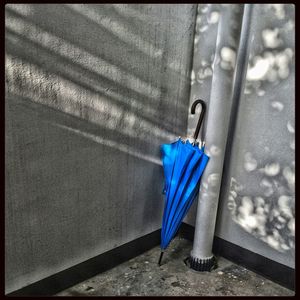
column 49, row 286
column 87, row 269
column 270, row 269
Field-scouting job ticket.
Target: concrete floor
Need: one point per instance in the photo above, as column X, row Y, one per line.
column 141, row 276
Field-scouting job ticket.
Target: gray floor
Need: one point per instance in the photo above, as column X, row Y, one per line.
column 141, row 276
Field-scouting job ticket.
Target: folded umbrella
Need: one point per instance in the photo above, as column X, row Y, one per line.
column 183, row 164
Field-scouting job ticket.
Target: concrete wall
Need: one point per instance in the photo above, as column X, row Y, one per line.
column 256, row 208
column 91, row 93
column 201, row 76
column 212, row 80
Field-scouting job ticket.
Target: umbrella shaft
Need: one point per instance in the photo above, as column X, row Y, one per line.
column 160, row 257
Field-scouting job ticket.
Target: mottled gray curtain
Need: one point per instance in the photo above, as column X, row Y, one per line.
column 244, row 69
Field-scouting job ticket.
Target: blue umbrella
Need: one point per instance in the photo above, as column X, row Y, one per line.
column 183, row 165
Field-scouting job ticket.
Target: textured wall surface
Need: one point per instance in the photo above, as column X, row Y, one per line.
column 256, row 209
column 201, row 76
column 91, row 93
column 215, row 45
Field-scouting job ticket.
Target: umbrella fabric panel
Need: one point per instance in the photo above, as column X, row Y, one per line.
column 173, row 229
column 183, row 157
column 183, row 166
column 169, row 153
column 186, row 185
column 188, row 197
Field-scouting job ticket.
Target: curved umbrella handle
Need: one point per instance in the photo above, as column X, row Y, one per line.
column 193, row 109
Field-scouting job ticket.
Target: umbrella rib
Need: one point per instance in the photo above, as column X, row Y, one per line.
column 201, row 168
column 170, row 206
column 181, row 192
column 176, row 210
column 167, row 192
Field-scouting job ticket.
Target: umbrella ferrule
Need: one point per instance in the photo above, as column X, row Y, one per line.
column 160, row 257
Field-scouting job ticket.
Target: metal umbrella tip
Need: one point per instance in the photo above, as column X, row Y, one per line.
column 160, row 258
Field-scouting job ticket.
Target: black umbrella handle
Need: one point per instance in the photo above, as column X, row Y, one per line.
column 193, row 109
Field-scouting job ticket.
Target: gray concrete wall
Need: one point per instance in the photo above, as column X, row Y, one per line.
column 257, row 207
column 257, row 200
column 201, row 76
column 91, row 93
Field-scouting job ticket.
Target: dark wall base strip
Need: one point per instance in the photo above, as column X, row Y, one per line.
column 268, row 268
column 49, row 286
column 103, row 262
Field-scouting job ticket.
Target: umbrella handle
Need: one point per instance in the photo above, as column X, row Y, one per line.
column 193, row 109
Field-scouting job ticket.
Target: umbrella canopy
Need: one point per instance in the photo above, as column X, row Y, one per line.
column 183, row 165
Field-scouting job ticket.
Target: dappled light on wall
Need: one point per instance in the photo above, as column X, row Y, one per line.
column 113, row 144
column 53, row 70
column 270, row 215
column 94, row 69
column 70, row 99
column 92, row 91
column 258, row 183
column 273, row 58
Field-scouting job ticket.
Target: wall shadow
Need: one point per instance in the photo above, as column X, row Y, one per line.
column 87, row 110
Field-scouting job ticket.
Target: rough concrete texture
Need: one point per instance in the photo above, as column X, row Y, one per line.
column 257, row 203
column 217, row 120
column 141, row 276
column 92, row 91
